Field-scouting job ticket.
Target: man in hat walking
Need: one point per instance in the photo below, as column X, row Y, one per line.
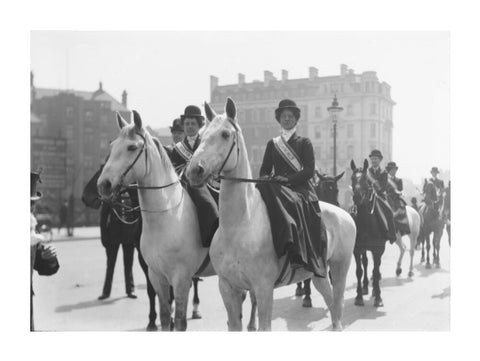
column 397, row 203
column 207, row 209
column 379, row 179
column 43, row 257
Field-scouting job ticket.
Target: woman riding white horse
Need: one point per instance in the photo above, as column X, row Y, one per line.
column 242, row 250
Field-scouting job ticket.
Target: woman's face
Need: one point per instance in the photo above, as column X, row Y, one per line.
column 190, row 126
column 375, row 161
column 287, row 119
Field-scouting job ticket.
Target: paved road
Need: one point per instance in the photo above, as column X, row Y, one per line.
column 68, row 300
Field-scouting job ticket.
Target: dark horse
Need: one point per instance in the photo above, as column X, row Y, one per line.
column 91, row 199
column 446, row 210
column 327, row 191
column 433, row 222
column 369, row 234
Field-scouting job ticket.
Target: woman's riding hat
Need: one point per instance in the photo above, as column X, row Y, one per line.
column 434, row 169
column 176, row 126
column 287, row 104
column 376, row 153
column 391, row 165
column 192, row 111
column 34, row 179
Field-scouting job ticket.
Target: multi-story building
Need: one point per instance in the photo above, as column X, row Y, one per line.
column 70, row 135
column 365, row 123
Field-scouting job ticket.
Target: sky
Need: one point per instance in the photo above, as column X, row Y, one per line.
column 164, row 71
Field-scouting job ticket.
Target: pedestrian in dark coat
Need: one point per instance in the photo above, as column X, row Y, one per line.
column 291, row 200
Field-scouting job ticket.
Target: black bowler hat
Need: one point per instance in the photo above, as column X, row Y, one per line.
column 287, row 104
column 376, row 153
column 391, row 165
column 34, row 179
column 434, row 169
column 176, row 126
column 192, row 111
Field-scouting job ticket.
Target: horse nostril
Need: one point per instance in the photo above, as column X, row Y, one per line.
column 200, row 170
column 105, row 188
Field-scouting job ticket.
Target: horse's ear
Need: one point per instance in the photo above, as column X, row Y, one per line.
column 137, row 120
column 231, row 108
column 365, row 165
column 353, row 165
column 321, row 176
column 338, row 177
column 120, row 121
column 209, row 112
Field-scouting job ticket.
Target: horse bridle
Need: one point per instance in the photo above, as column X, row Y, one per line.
column 364, row 194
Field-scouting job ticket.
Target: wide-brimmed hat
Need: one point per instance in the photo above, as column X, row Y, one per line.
column 34, row 179
column 391, row 165
column 287, row 104
column 376, row 153
column 192, row 111
column 176, row 126
column 434, row 169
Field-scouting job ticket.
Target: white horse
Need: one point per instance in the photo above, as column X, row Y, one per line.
column 414, row 224
column 242, row 250
column 170, row 241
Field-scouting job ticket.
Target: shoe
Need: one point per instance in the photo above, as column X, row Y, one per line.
column 103, row 297
column 132, row 295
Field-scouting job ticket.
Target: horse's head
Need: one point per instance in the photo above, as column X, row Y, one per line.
column 218, row 148
column 327, row 188
column 360, row 184
column 125, row 164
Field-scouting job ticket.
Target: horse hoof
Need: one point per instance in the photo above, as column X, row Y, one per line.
column 428, row 266
column 359, row 301
column 152, row 327
column 307, row 302
column 422, row 260
column 398, row 271
column 365, row 290
column 410, row 274
column 437, row 265
column 196, row 315
column 337, row 328
column 378, row 302
column 299, row 292
column 251, row 329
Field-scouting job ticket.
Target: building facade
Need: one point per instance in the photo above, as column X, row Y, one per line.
column 364, row 124
column 72, row 128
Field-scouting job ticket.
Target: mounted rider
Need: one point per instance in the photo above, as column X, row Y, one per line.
column 439, row 187
column 207, row 208
column 379, row 180
column 395, row 199
column 177, row 135
column 291, row 200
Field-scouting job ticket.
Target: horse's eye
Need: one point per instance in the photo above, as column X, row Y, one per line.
column 225, row 134
column 132, row 147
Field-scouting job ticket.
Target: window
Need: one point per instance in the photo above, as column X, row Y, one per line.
column 318, row 132
column 349, row 130
column 350, row 109
column 248, row 115
column 367, row 87
column 69, row 112
column 350, row 151
column 318, row 112
column 373, row 109
column 373, row 130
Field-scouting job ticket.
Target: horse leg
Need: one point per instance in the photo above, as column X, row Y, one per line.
column 377, row 260
column 339, row 272
column 359, row 273
column 365, row 273
column 264, row 295
column 427, row 239
column 412, row 253
column 196, row 301
column 160, row 284
column 402, row 248
column 299, row 291
column 252, row 324
column 181, row 289
column 307, row 301
column 436, row 246
column 232, row 299
column 152, row 316
column 323, row 286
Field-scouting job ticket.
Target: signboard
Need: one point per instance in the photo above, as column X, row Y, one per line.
column 50, row 154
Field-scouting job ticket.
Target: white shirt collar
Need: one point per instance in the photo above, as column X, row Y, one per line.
column 192, row 140
column 287, row 134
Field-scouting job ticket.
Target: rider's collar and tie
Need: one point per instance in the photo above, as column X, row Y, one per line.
column 287, row 133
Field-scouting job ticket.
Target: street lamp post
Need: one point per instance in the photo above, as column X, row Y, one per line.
column 334, row 110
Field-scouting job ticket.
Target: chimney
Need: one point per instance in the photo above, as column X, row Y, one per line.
column 124, row 98
column 312, row 73
column 32, row 88
column 267, row 77
column 350, row 71
column 241, row 79
column 213, row 82
column 284, row 75
column 343, row 69
column 100, row 87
